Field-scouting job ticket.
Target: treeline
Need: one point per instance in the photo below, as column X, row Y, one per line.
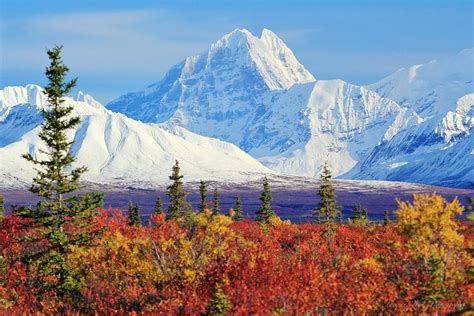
column 328, row 211
column 68, row 255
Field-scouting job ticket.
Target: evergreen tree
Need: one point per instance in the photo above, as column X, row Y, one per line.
column 386, row 219
column 137, row 215
column 327, row 209
column 130, row 211
column 360, row 214
column 265, row 212
column 203, row 193
column 2, row 207
column 176, row 194
column 365, row 215
column 158, row 206
column 216, row 209
column 59, row 210
column 134, row 218
column 358, row 211
column 238, row 209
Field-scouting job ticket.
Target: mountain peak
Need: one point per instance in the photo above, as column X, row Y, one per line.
column 431, row 88
column 269, row 35
column 87, row 98
column 239, row 68
column 275, row 62
column 236, row 38
column 13, row 95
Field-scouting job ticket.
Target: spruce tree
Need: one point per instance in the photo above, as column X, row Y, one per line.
column 386, row 219
column 134, row 218
column 360, row 214
column 159, row 206
column 2, row 207
column 203, row 193
column 131, row 213
column 176, row 194
column 216, row 209
column 358, row 211
column 238, row 209
column 265, row 212
column 136, row 215
column 59, row 210
column 327, row 209
column 365, row 215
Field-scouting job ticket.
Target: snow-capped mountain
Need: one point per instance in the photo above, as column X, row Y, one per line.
column 339, row 123
column 440, row 149
column 432, row 88
column 254, row 93
column 225, row 82
column 415, row 125
column 116, row 149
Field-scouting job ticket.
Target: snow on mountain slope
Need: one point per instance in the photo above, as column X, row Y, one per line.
column 420, row 155
column 339, row 123
column 440, row 149
column 253, row 92
column 414, row 125
column 224, row 83
column 119, row 150
column 432, row 88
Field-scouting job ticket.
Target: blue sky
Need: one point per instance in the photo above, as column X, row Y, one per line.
column 120, row 46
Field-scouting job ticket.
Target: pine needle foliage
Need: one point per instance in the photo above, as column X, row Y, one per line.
column 61, row 220
column 265, row 212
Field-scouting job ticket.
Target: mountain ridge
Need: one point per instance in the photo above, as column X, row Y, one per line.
column 414, row 125
column 118, row 149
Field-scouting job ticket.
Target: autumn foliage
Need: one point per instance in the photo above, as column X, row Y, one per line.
column 211, row 264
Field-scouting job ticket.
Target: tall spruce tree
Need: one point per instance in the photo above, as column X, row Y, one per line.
column 176, row 194
column 134, row 218
column 265, row 212
column 137, row 215
column 327, row 209
column 216, row 209
column 386, row 219
column 2, row 207
column 159, row 206
column 238, row 209
column 130, row 212
column 203, row 194
column 59, row 210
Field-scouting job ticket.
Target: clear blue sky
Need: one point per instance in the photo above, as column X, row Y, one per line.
column 120, row 46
